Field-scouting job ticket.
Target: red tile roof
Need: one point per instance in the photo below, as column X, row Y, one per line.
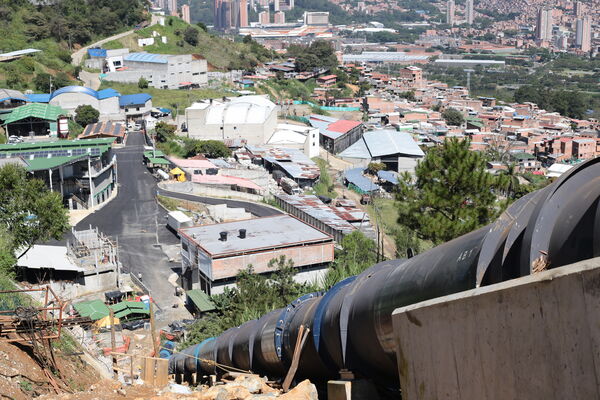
column 343, row 125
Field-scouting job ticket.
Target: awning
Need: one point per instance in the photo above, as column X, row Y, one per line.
column 95, row 309
column 176, row 171
column 200, row 300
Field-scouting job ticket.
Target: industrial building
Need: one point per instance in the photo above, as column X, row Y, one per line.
column 82, row 171
column 469, row 63
column 253, row 118
column 35, row 120
column 135, row 106
column 162, row 71
column 213, row 255
column 299, row 137
column 380, row 57
column 11, row 99
column 337, row 134
column 397, row 150
column 105, row 101
column 288, row 162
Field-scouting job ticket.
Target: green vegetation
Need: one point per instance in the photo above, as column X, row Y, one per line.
column 568, row 103
column 183, row 38
column 254, row 296
column 325, row 186
column 55, row 29
column 170, row 143
column 86, row 114
column 143, row 83
column 320, row 54
column 169, row 203
column 358, row 253
column 453, row 117
column 451, row 194
column 173, row 99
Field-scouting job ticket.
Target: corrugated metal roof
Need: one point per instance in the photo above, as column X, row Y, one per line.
column 294, row 162
column 389, row 176
column 100, row 95
column 355, row 177
column 147, row 57
column 97, row 52
column 107, row 128
column 134, row 99
column 201, row 300
column 56, row 144
column 94, row 309
column 386, row 142
column 36, row 110
column 7, row 94
column 38, row 97
column 17, row 53
column 261, row 233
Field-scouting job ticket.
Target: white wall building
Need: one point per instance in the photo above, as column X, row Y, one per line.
column 301, row 137
column 163, row 71
column 253, row 118
column 105, row 101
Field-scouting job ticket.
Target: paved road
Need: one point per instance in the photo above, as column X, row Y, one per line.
column 90, row 79
column 135, row 219
column 255, row 209
column 77, row 56
column 139, row 224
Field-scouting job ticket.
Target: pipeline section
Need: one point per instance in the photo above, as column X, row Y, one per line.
column 351, row 324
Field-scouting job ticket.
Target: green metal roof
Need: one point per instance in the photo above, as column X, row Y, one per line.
column 522, row 156
column 159, row 161
column 35, row 110
column 57, row 144
column 153, row 154
column 39, row 164
column 95, row 309
column 126, row 308
column 201, row 300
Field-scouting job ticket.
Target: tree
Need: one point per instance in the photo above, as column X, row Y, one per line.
column 191, row 36
column 357, row 254
column 29, row 211
column 451, row 194
column 508, row 181
column 214, row 149
column 42, row 81
column 142, row 83
column 164, row 132
column 375, row 167
column 453, row 117
column 202, row 26
column 86, row 114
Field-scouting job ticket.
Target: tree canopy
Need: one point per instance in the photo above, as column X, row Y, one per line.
column 86, row 114
column 357, row 254
column 568, row 103
column 28, row 210
column 450, row 195
column 320, row 54
column 453, row 117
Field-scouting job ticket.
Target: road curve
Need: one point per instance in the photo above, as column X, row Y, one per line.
column 256, row 209
column 77, row 56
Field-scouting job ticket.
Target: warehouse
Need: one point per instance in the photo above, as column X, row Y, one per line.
column 162, row 71
column 253, row 118
column 397, row 150
column 82, row 171
column 105, row 101
column 33, row 120
column 337, row 134
column 213, row 255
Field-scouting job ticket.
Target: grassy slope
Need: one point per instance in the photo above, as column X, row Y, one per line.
column 219, row 52
column 169, row 98
column 54, row 57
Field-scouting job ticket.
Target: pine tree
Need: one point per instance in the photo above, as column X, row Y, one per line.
column 450, row 195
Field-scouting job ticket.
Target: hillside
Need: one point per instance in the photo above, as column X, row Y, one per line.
column 57, row 30
column 220, row 53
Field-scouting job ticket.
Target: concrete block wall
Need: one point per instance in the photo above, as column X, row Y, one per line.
column 536, row 337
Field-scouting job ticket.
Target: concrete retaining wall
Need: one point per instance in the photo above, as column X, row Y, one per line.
column 536, row 337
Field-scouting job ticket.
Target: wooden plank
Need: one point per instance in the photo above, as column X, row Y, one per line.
column 112, row 340
column 148, row 370
column 162, row 372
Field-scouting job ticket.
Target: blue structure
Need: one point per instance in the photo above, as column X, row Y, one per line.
column 355, row 180
column 134, row 99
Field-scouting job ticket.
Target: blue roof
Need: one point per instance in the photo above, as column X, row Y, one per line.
column 101, row 95
column 134, row 99
column 38, row 98
column 165, row 110
column 389, row 176
column 97, row 53
column 147, row 57
column 355, row 177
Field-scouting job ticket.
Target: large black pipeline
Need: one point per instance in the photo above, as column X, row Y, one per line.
column 351, row 324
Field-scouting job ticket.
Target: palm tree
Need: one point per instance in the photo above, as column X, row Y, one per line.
column 508, row 181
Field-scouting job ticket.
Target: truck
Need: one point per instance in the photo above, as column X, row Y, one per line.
column 289, row 186
column 177, row 220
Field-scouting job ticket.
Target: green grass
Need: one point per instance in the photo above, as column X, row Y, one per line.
column 326, row 184
column 172, row 99
column 220, row 53
column 168, row 202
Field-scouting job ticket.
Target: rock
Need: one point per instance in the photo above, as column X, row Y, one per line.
column 303, row 391
column 214, row 393
column 253, row 383
column 179, row 389
column 266, row 389
column 238, row 392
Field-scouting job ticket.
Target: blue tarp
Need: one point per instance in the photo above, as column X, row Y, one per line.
column 165, row 110
column 389, row 176
column 355, row 177
column 97, row 53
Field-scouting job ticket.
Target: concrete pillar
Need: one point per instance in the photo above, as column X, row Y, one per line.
column 358, row 389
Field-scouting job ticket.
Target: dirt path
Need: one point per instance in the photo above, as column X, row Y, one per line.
column 77, row 57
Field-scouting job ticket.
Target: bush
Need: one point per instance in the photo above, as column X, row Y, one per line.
column 191, row 36
column 143, row 83
column 86, row 114
column 453, row 117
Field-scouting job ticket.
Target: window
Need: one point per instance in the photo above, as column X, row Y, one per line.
column 195, row 73
column 137, row 109
column 184, row 246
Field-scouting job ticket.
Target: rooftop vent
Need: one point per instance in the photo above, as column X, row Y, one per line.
column 223, row 236
column 242, row 234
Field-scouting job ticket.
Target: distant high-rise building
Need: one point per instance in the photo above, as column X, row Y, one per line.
column 450, row 12
column 543, row 29
column 316, row 18
column 284, row 5
column 276, row 5
column 243, row 13
column 161, row 4
column 185, row 13
column 469, row 12
column 579, row 9
column 583, row 34
column 264, row 18
column 172, row 7
column 279, row 17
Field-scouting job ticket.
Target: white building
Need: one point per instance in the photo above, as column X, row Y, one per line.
column 162, row 71
column 105, row 101
column 300, row 137
column 543, row 29
column 252, row 118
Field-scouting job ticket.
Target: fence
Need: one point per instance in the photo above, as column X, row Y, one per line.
column 136, row 281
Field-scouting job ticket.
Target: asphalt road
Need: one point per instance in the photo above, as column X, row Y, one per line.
column 135, row 219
